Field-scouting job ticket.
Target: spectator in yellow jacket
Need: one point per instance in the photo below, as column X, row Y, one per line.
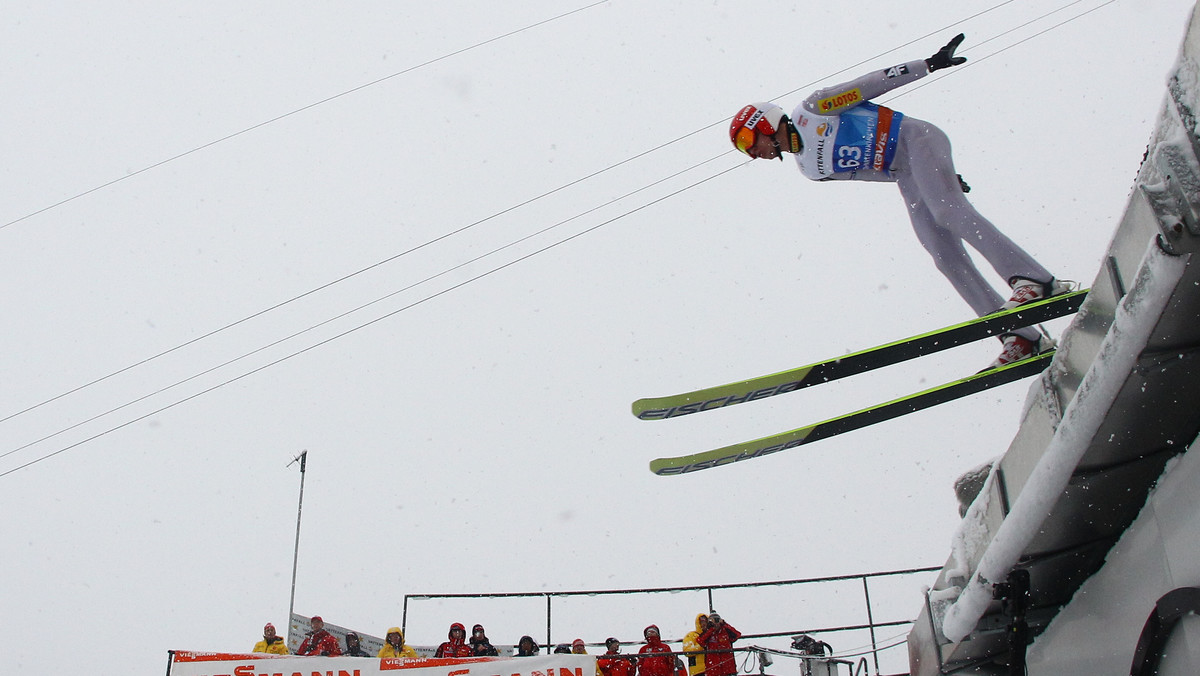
column 691, row 646
column 394, row 647
column 271, row 643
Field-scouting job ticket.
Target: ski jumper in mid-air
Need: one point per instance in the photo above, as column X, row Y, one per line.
column 837, row 133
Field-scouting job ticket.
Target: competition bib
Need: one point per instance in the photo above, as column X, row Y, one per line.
column 866, row 138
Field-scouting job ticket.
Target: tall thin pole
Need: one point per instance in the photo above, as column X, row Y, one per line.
column 549, row 633
column 871, row 622
column 303, row 459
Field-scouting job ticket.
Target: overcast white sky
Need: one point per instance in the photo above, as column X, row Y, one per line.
column 478, row 438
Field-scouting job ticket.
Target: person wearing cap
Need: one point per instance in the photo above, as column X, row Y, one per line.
column 718, row 645
column 837, row 133
column 612, row 662
column 394, row 646
column 271, row 643
column 480, row 645
column 456, row 645
column 655, row 658
column 318, row 641
column 354, row 646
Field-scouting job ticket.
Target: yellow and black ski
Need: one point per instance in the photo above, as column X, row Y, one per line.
column 707, row 399
column 853, row 421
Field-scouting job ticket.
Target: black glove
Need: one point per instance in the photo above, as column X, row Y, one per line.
column 945, row 56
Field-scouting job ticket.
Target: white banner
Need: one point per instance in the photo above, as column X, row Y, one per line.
column 184, row 663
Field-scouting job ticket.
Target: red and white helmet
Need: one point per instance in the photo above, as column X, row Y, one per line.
column 754, row 119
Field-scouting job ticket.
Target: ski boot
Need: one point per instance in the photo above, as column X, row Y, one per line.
column 1017, row 348
column 1027, row 291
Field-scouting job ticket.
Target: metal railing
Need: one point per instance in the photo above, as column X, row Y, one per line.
column 870, row 624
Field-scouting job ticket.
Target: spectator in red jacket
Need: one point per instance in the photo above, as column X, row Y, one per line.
column 319, row 642
column 457, row 645
column 613, row 663
column 651, row 658
column 718, row 642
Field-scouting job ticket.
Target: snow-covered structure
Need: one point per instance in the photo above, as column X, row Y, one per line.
column 1084, row 539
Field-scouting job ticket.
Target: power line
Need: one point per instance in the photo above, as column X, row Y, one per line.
column 911, row 42
column 362, row 307
column 434, row 295
column 976, row 61
column 369, row 323
column 335, row 281
column 297, row 111
column 343, row 278
column 440, row 238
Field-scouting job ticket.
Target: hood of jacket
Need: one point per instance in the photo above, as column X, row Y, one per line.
column 458, row 626
column 527, row 641
column 699, row 622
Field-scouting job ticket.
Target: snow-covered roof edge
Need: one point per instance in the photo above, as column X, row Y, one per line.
column 1127, row 338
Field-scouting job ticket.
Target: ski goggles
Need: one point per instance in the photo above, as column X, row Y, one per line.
column 744, row 139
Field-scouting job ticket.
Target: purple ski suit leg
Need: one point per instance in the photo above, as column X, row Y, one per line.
column 944, row 221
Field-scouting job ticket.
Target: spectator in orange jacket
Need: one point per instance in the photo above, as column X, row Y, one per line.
column 320, row 642
column 457, row 645
column 718, row 642
column 651, row 660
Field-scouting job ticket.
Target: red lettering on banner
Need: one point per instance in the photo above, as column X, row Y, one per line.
column 535, row 672
column 563, row 671
column 459, row 672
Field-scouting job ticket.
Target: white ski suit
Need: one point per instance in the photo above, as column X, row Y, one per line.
column 846, row 137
